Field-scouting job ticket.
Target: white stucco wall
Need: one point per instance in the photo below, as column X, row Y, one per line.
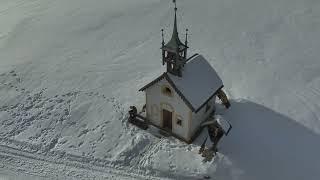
column 156, row 101
column 201, row 115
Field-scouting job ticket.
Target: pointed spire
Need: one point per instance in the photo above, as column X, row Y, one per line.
column 175, row 43
column 186, row 42
column 175, row 26
column 162, row 37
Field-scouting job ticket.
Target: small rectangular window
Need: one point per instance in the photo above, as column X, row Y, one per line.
column 179, row 122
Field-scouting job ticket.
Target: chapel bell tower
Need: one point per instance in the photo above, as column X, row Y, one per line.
column 174, row 53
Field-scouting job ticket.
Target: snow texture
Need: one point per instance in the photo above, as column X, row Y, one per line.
column 69, row 70
column 199, row 81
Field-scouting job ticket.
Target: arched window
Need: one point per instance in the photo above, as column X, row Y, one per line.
column 167, row 91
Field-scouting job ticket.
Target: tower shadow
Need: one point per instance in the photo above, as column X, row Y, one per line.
column 264, row 144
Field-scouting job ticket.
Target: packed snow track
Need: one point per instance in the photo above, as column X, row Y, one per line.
column 70, row 167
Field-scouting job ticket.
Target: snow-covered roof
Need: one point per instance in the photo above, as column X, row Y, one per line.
column 224, row 124
column 199, row 82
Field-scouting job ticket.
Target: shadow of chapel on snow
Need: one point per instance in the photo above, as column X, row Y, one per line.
column 265, row 144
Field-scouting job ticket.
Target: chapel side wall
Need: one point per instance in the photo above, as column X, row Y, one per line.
column 201, row 115
column 152, row 106
column 156, row 101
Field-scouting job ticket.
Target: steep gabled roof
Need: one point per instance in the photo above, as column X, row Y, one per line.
column 198, row 84
column 166, row 76
column 153, row 82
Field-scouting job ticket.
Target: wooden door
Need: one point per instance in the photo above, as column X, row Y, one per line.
column 167, row 119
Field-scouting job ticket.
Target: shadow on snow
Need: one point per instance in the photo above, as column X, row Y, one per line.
column 264, row 144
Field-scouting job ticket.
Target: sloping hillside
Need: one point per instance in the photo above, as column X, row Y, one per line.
column 69, row 70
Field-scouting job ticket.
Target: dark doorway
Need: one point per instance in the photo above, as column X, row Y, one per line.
column 167, row 119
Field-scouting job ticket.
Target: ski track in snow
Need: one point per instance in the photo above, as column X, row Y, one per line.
column 70, row 167
column 41, row 162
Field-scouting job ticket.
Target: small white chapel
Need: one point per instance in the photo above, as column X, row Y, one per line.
column 184, row 96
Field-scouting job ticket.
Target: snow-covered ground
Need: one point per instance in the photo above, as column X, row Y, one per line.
column 69, row 70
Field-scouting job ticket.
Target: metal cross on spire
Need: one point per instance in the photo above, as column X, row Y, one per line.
column 175, row 5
